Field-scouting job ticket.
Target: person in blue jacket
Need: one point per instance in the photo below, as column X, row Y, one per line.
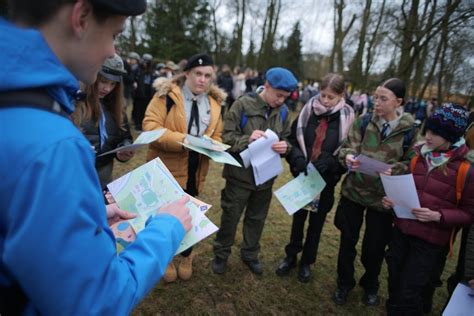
column 57, row 253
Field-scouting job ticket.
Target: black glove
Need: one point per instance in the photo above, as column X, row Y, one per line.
column 298, row 166
column 325, row 162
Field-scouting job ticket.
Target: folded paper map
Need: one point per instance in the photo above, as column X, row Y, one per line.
column 144, row 190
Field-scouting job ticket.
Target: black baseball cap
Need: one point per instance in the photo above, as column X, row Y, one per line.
column 121, row 7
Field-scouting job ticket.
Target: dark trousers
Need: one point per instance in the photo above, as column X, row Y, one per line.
column 138, row 112
column 313, row 233
column 234, row 200
column 411, row 262
column 378, row 228
column 191, row 185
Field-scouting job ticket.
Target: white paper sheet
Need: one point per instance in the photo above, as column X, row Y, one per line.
column 461, row 303
column 402, row 191
column 370, row 166
column 245, row 155
column 266, row 163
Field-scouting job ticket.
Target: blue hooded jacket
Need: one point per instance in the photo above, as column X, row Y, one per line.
column 55, row 243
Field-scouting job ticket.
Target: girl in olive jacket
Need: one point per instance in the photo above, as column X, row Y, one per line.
column 384, row 137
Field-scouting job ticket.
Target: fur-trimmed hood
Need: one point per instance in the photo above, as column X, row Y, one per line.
column 163, row 86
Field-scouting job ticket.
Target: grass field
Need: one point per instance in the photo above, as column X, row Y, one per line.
column 239, row 292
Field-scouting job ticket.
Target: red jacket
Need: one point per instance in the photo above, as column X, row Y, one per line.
column 437, row 191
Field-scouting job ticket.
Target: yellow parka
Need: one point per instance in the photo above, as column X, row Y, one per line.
column 168, row 146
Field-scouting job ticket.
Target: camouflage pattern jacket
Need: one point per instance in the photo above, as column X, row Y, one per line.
column 364, row 189
column 237, row 136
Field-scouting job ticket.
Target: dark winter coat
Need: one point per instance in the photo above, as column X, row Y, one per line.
column 327, row 164
column 437, row 191
column 117, row 136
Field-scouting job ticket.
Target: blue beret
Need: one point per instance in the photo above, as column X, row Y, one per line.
column 281, row 78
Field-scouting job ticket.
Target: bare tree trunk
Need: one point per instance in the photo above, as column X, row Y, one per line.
column 441, row 72
column 215, row 32
column 339, row 35
column 371, row 46
column 423, row 56
column 133, row 34
column 409, row 29
column 269, row 30
column 357, row 62
column 240, row 29
column 333, row 51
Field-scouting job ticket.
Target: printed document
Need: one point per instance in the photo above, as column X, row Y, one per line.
column 461, row 302
column 300, row 191
column 370, row 166
column 143, row 139
column 266, row 163
column 402, row 191
column 144, row 190
column 217, row 156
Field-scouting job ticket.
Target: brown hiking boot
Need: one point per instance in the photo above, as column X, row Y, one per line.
column 170, row 273
column 185, row 268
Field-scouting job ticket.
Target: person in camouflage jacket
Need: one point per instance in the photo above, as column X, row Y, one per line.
column 382, row 139
column 245, row 122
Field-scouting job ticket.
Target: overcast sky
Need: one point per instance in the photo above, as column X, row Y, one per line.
column 315, row 17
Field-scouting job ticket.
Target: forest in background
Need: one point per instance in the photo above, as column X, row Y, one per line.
column 428, row 44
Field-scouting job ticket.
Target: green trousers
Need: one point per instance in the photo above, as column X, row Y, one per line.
column 234, row 200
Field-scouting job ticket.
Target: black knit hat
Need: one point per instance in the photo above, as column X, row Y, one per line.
column 396, row 86
column 449, row 121
column 121, row 7
column 198, row 60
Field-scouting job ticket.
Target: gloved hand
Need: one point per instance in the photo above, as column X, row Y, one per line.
column 325, row 163
column 298, row 166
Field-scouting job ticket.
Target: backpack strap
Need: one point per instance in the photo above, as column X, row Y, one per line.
column 169, row 103
column 283, row 116
column 283, row 113
column 461, row 176
column 33, row 98
column 363, row 125
column 408, row 137
column 413, row 163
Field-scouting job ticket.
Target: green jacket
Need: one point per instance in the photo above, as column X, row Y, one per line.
column 367, row 190
column 238, row 138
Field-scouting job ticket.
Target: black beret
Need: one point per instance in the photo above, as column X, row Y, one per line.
column 199, row 60
column 121, row 7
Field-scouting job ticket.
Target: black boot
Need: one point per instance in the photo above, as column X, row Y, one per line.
column 304, row 273
column 219, row 265
column 340, row 296
column 285, row 266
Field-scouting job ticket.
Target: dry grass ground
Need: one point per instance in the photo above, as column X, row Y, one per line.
column 239, row 292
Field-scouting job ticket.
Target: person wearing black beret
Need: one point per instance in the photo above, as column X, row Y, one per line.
column 245, row 122
column 189, row 104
